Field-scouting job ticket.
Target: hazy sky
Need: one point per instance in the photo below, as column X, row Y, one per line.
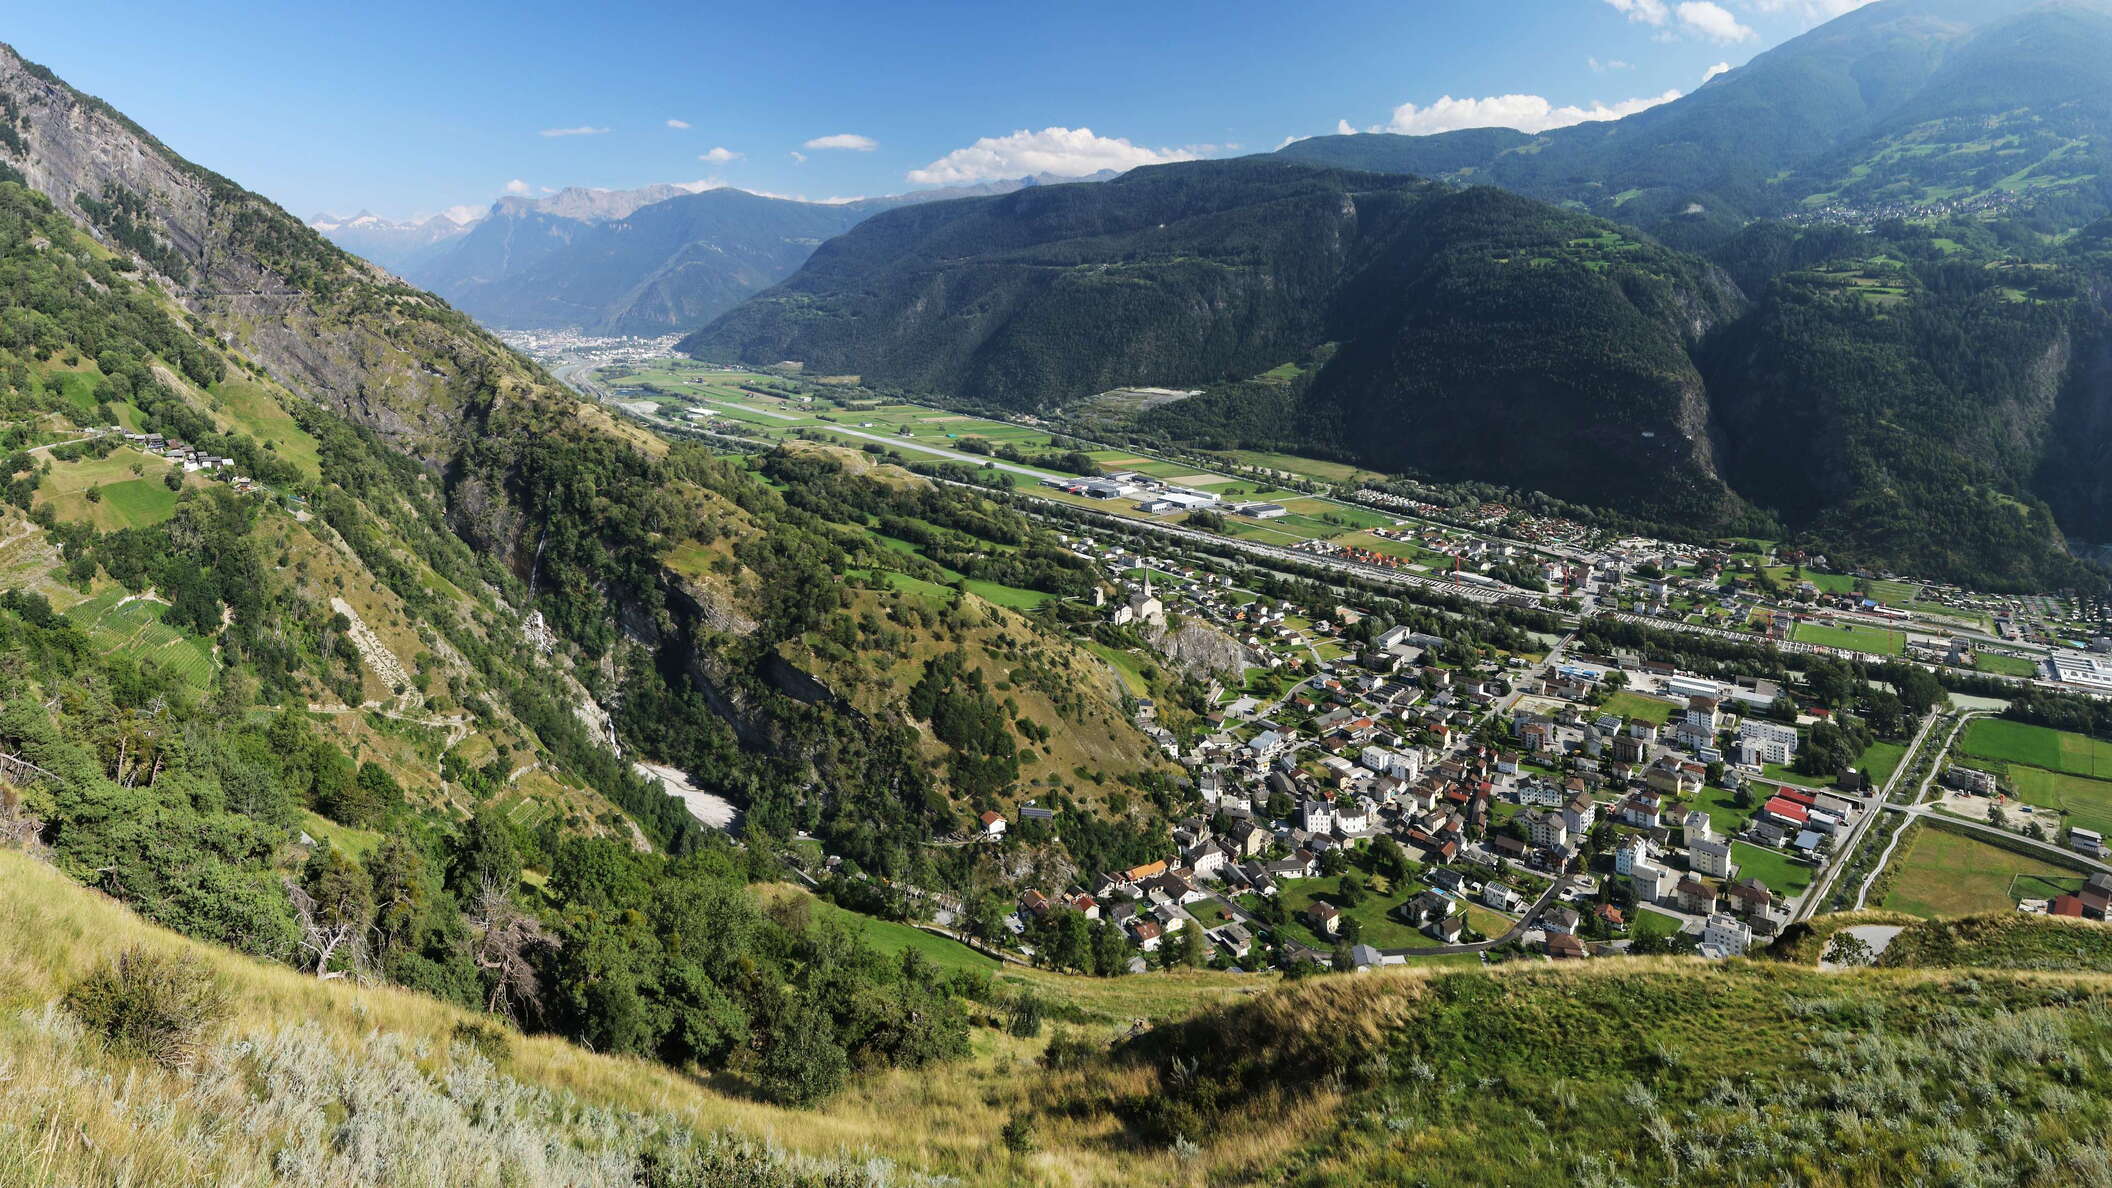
column 410, row 108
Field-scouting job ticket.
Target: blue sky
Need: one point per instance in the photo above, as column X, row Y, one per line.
column 411, row 108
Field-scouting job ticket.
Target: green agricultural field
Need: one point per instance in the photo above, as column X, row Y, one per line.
column 250, row 408
column 1876, row 641
column 1782, row 874
column 1329, row 472
column 126, row 500
column 1635, row 705
column 2038, row 746
column 1949, row 874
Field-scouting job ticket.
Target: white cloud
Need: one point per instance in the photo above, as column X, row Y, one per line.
column 1712, row 21
column 517, row 186
column 1527, row 113
column 1343, row 128
column 719, row 155
column 798, row 158
column 1647, row 12
column 678, row 124
column 844, row 140
column 1598, row 67
column 1065, row 152
column 582, row 130
column 1705, row 18
column 463, row 214
column 1811, row 12
column 1713, row 71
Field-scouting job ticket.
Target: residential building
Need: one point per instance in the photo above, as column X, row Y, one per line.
column 1725, row 936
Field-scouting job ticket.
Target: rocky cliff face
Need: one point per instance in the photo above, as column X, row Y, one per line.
column 329, row 326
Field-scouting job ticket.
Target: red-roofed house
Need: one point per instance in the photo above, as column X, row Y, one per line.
column 1787, row 811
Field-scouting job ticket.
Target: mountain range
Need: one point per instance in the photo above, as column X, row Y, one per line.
column 656, row 260
column 1745, row 310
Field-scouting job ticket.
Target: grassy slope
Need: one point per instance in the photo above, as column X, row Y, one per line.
column 314, row 1048
column 1638, row 1071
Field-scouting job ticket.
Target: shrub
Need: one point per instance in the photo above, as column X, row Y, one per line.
column 153, row 1005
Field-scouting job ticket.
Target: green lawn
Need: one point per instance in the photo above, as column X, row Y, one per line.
column 1876, row 641
column 1725, row 817
column 1378, row 930
column 1635, row 705
column 1949, row 874
column 1782, row 874
column 2001, row 665
column 1649, row 923
column 890, row 937
column 1881, row 760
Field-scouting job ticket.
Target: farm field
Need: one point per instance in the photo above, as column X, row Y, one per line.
column 1331, row 472
column 2038, row 746
column 127, row 500
column 1949, row 874
column 1782, row 874
column 1876, row 641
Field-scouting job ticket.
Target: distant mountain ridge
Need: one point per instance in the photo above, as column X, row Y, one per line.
column 655, row 260
column 2002, row 101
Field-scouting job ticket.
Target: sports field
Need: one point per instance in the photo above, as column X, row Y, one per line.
column 1855, row 638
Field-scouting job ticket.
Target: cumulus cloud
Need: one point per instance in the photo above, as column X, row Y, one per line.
column 517, row 186
column 582, row 130
column 1527, row 113
column 798, row 158
column 844, row 140
column 1646, row 12
column 1712, row 21
column 1701, row 18
column 1713, row 71
column 678, row 124
column 1343, row 128
column 1598, row 67
column 719, row 155
column 1065, row 152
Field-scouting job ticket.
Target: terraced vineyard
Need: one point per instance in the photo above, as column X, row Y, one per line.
column 130, row 625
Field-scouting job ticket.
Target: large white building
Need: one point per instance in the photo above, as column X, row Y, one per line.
column 1772, row 742
column 1725, row 935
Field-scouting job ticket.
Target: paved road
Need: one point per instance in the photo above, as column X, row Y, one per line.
column 1817, row 893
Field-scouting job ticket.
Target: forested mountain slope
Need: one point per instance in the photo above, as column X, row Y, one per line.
column 1563, row 329
column 330, row 629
